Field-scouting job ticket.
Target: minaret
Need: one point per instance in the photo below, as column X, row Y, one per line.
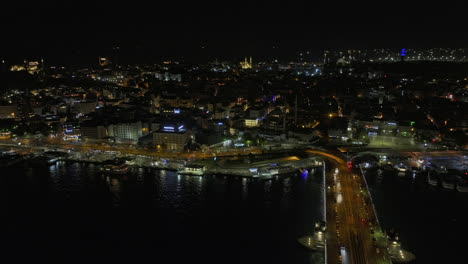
column 295, row 111
column 284, row 123
column 42, row 68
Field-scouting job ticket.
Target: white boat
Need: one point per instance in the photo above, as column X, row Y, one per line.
column 276, row 170
column 192, row 169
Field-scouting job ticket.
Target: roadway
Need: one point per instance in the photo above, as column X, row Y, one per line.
column 350, row 216
column 85, row 147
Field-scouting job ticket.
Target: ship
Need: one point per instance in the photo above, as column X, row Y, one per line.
column 276, row 170
column 115, row 169
column 192, row 169
column 47, row 158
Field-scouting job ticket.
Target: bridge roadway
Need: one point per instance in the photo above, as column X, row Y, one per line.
column 344, row 216
column 84, row 147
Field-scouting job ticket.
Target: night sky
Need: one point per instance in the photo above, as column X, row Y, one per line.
column 75, row 32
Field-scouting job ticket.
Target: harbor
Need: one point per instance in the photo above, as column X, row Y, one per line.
column 149, row 208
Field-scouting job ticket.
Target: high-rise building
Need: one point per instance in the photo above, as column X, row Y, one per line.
column 93, row 130
column 171, row 137
column 126, row 131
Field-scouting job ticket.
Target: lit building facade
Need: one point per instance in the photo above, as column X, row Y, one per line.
column 126, row 131
column 251, row 123
column 171, row 138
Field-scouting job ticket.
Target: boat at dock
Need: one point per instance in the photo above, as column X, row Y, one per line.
column 116, row 169
column 192, row 169
column 47, row 158
column 276, row 170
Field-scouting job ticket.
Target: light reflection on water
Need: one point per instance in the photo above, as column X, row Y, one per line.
column 114, row 188
column 259, row 218
column 416, row 208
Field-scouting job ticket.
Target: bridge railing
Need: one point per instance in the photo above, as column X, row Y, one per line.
column 370, row 196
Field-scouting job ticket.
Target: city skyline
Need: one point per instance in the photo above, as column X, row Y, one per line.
column 202, row 32
column 264, row 132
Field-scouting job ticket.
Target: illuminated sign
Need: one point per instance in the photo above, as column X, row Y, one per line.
column 403, row 52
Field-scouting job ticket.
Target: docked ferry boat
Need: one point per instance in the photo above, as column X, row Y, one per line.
column 192, row 169
column 115, row 167
column 276, row 170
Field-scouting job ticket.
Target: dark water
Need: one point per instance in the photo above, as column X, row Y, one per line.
column 72, row 213
column 432, row 222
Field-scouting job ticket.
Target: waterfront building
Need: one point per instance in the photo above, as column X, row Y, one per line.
column 126, row 131
column 93, row 130
column 172, row 137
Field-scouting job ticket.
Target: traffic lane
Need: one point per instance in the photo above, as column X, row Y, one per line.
column 347, row 218
column 353, row 206
column 343, row 220
column 370, row 223
column 332, row 243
